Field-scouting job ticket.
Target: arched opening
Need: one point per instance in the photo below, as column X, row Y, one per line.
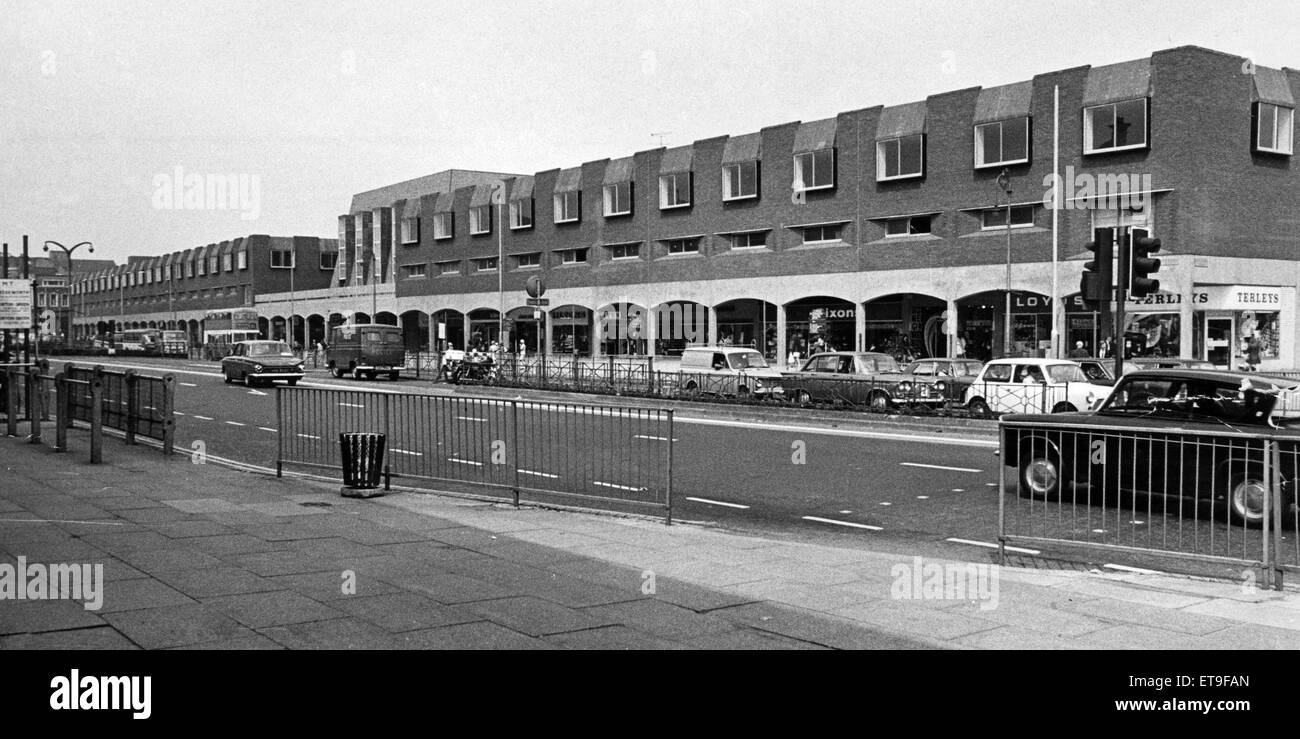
column 906, row 325
column 386, row 318
column 570, row 327
column 679, row 324
column 415, row 330
column 315, row 329
column 748, row 322
column 820, row 324
column 279, row 329
column 360, row 317
column 449, row 329
column 484, row 327
column 622, row 329
column 263, row 327
column 527, row 330
column 982, row 322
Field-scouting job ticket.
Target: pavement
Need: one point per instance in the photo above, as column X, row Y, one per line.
column 198, row 556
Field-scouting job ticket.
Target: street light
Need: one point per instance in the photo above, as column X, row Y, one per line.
column 1004, row 183
column 500, row 198
column 67, row 332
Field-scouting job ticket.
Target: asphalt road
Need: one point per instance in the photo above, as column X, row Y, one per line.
column 891, row 487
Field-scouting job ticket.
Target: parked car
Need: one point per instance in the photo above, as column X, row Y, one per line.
column 1101, row 370
column 254, row 362
column 1172, row 363
column 727, row 371
column 1031, row 384
column 1166, row 433
column 366, row 349
column 951, row 376
column 869, row 379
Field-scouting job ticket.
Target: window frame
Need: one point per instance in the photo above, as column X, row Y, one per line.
column 560, row 206
column 476, row 220
column 799, row 170
column 444, row 226
column 614, row 188
column 443, row 268
column 907, row 221
column 881, row 159
column 1257, row 118
column 978, row 150
column 1088, row 127
column 614, row 249
column 480, row 261
column 332, row 266
column 282, row 265
column 409, row 271
column 668, row 246
column 566, row 253
column 517, row 222
column 670, row 190
column 837, row 227
column 1002, row 211
column 728, row 189
column 409, row 230
column 734, row 238
column 536, row 264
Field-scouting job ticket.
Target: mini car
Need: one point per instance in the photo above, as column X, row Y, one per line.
column 860, row 378
column 1168, row 435
column 1029, row 384
column 255, row 362
column 1101, row 370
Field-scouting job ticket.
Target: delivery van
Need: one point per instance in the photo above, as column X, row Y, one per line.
column 729, row 371
column 365, row 350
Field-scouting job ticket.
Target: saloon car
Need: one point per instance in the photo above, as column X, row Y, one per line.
column 255, row 362
column 860, row 378
column 1029, row 384
column 951, row 377
column 1172, row 363
column 1169, row 436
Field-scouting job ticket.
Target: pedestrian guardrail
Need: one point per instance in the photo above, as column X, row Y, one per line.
column 137, row 405
column 1217, row 496
column 533, row 451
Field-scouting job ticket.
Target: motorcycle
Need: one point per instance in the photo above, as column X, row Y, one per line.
column 473, row 368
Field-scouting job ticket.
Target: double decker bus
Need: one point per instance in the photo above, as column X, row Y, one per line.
column 222, row 329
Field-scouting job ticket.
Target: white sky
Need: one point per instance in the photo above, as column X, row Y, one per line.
column 319, row 100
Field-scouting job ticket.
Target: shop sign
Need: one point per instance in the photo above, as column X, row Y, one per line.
column 1242, row 297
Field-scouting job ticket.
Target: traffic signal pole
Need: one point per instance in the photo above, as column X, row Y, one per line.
column 1123, row 245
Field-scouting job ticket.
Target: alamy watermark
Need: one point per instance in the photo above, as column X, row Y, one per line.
column 1100, row 191
column 36, row 581
column 922, row 580
column 180, row 190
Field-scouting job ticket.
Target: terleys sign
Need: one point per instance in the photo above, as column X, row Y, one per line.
column 15, row 304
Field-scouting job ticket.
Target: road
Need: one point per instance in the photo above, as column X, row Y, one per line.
column 891, row 486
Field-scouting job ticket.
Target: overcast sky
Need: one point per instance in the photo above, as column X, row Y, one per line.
column 102, row 101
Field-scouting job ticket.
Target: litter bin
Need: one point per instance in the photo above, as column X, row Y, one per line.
column 363, row 464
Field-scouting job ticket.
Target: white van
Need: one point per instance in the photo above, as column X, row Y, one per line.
column 728, row 370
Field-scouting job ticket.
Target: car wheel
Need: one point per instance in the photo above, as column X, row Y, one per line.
column 371, row 375
column 978, row 408
column 393, row 375
column 1064, row 408
column 248, row 381
column 802, row 397
column 337, row 371
column 879, row 402
column 356, row 373
column 293, row 382
column 1246, row 494
column 226, row 375
column 1040, row 473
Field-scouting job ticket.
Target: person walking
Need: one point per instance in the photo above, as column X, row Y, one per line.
column 1078, row 352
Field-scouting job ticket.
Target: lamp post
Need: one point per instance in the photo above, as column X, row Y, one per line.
column 1004, row 183
column 69, row 250
column 500, row 198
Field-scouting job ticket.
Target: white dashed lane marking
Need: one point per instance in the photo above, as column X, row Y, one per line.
column 939, row 467
column 988, row 545
column 203, row 418
column 464, row 461
column 539, row 474
column 616, row 487
column 718, row 502
column 843, row 523
column 263, row 428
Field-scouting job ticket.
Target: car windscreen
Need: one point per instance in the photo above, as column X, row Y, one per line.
column 1193, row 398
column 881, row 364
column 278, row 349
column 748, row 360
column 1065, row 373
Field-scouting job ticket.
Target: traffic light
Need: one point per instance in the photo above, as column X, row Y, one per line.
column 1096, row 282
column 1143, row 265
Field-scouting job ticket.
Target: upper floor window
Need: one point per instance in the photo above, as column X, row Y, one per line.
column 442, row 225
column 228, row 262
column 329, row 260
column 524, row 261
column 618, row 199
column 212, row 265
column 1273, row 127
column 189, row 268
column 567, row 206
column 243, row 259
column 573, row 256
column 909, row 226
column 1022, row 216
column 1115, row 126
column 486, row 264
column 521, row 213
column 480, row 220
column 414, row 271
column 624, row 251
column 410, row 230
column 1002, row 142
column 900, row 158
column 683, row 246
column 751, row 240
column 674, row 190
column 740, row 181
column 448, row 268
column 814, row 170
column 281, row 259
column 822, row 234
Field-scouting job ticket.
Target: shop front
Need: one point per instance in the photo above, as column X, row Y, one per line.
column 570, row 330
column 1243, row 326
column 819, row 324
column 749, row 323
column 527, row 325
column 982, row 324
column 908, row 325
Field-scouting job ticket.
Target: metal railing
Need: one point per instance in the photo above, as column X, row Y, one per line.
column 137, row 405
column 542, row 452
column 1215, row 496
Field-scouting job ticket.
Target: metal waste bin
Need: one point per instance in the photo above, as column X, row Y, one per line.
column 363, row 464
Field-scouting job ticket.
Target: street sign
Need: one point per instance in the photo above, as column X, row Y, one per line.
column 15, row 304
column 539, row 301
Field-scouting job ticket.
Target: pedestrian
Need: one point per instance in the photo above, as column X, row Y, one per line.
column 1078, row 352
column 1252, row 353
